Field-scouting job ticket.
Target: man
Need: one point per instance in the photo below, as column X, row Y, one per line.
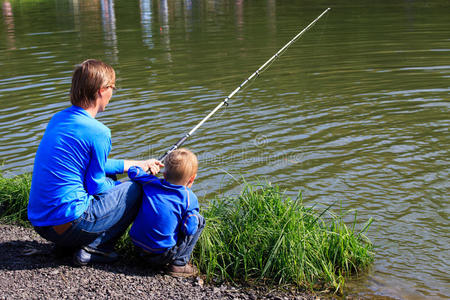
column 72, row 201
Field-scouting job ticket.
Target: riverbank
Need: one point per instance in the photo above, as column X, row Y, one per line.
column 43, row 276
column 260, row 237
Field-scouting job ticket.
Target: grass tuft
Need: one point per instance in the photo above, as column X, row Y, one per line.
column 262, row 236
column 14, row 194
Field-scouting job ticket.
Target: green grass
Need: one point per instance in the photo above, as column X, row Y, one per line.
column 14, row 194
column 258, row 237
column 262, row 236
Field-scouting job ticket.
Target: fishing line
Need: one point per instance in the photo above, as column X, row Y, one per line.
column 253, row 77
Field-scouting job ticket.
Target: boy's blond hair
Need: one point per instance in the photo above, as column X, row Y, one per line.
column 180, row 165
column 88, row 78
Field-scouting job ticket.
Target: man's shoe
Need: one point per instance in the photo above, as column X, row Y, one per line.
column 87, row 255
column 188, row 270
column 61, row 251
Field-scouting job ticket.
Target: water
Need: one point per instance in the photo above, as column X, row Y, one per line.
column 357, row 111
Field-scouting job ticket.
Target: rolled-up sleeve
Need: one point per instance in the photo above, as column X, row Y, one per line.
column 114, row 166
column 95, row 180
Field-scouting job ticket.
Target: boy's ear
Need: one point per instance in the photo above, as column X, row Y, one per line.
column 191, row 180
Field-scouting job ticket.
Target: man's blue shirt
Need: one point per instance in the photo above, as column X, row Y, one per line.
column 70, row 167
column 166, row 211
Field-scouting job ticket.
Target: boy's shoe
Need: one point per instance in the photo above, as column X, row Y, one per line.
column 188, row 270
column 88, row 255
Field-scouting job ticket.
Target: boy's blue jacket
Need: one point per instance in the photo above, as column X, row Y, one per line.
column 167, row 209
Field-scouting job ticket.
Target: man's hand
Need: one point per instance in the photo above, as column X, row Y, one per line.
column 151, row 165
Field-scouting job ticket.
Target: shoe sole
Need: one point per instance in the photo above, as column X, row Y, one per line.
column 96, row 257
column 184, row 275
column 78, row 263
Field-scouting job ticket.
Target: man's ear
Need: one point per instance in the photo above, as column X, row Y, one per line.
column 100, row 92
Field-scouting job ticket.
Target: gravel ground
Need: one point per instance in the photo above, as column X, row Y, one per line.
column 43, row 276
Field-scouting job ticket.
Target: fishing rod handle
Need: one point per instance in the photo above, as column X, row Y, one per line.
column 174, row 147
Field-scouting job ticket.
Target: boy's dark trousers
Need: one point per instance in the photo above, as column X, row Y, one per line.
column 178, row 255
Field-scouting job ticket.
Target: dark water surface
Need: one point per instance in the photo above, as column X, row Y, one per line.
column 357, row 111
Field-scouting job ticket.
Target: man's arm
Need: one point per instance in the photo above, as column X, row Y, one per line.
column 152, row 165
column 114, row 166
column 95, row 181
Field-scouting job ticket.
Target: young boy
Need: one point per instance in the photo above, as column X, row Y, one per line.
column 168, row 223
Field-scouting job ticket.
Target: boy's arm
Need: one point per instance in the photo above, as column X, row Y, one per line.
column 137, row 174
column 190, row 223
column 191, row 219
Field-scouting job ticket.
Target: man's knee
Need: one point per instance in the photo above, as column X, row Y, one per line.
column 134, row 197
column 136, row 188
column 134, row 191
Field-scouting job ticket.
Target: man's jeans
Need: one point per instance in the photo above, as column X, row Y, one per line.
column 178, row 255
column 107, row 217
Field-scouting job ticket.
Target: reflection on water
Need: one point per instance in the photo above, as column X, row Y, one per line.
column 109, row 27
column 356, row 112
column 146, row 22
column 164, row 28
column 9, row 24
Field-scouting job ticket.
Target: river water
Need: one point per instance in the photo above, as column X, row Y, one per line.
column 356, row 112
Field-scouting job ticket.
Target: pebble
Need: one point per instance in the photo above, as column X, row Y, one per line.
column 32, row 277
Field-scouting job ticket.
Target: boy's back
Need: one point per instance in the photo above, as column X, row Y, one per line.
column 167, row 209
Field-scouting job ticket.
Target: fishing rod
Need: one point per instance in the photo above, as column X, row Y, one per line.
column 256, row 73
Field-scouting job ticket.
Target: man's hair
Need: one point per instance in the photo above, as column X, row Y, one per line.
column 180, row 165
column 88, row 78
